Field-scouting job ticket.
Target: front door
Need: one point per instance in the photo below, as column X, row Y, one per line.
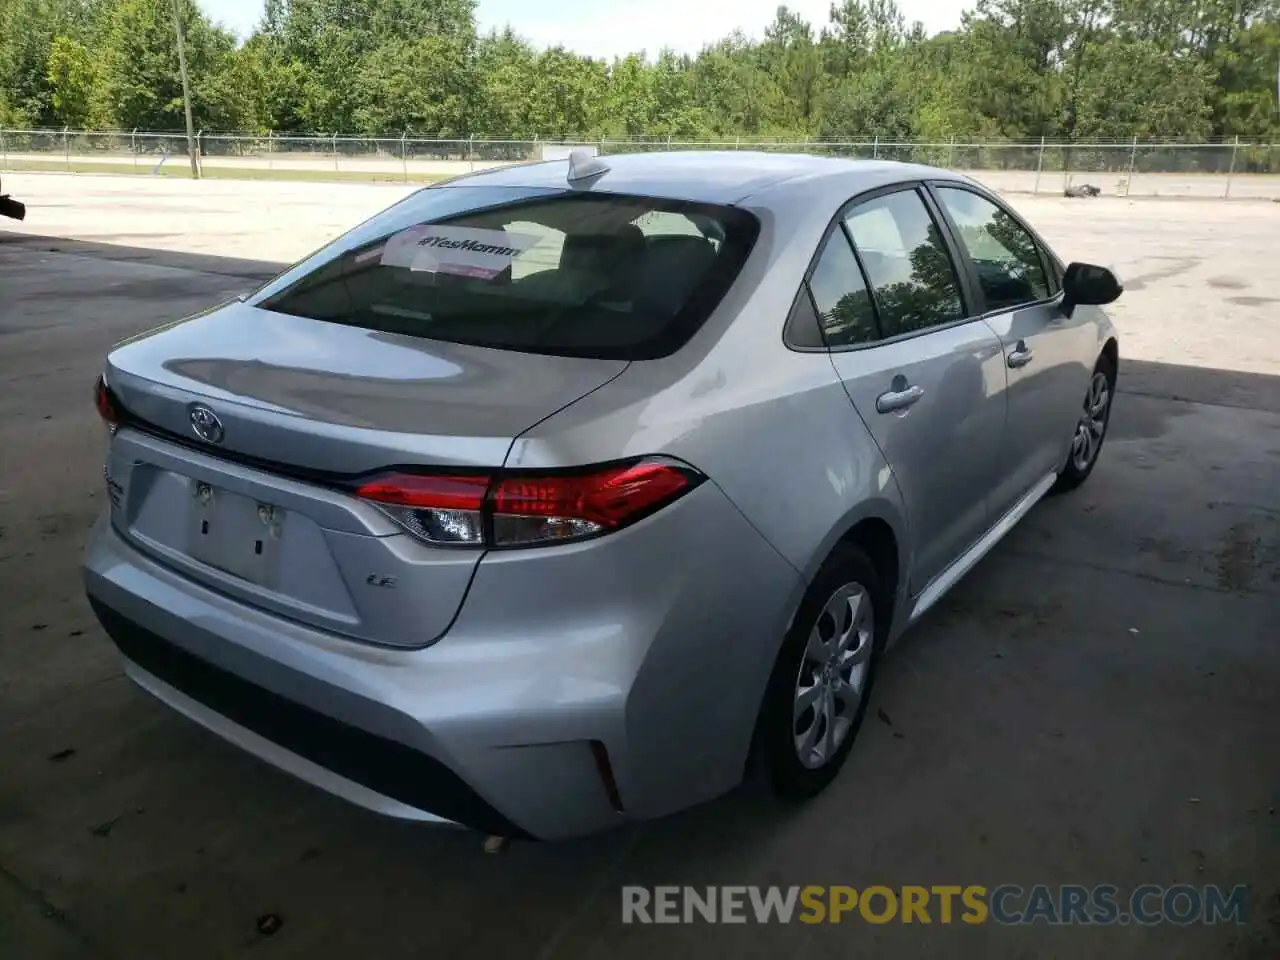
column 1045, row 351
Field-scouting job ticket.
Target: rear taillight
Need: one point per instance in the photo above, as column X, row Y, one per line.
column 533, row 509
column 517, row 508
column 105, row 401
column 436, row 509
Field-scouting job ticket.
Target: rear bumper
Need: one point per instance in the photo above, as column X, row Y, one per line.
column 496, row 726
column 377, row 773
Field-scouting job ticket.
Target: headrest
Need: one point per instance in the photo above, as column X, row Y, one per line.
column 602, row 251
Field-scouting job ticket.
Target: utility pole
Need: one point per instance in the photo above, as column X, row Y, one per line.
column 186, row 89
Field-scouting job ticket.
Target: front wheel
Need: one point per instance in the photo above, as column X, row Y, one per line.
column 1091, row 428
column 818, row 692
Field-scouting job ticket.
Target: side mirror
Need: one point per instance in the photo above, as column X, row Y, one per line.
column 1090, row 285
column 12, row 208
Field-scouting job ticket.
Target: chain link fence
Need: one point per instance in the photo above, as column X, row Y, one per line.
column 1117, row 168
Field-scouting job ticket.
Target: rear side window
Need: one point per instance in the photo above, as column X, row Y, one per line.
column 907, row 263
column 840, row 296
column 1005, row 256
column 565, row 273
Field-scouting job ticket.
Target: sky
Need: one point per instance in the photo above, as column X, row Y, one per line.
column 604, row 28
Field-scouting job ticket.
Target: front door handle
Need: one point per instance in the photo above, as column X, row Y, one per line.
column 1020, row 355
column 899, row 398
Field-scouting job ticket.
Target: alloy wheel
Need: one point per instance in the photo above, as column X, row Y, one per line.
column 833, row 674
column 1093, row 423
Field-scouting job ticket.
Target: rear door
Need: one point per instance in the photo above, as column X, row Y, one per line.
column 1046, row 353
column 924, row 373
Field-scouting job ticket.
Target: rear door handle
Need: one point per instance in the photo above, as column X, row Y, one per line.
column 1020, row 355
column 898, row 399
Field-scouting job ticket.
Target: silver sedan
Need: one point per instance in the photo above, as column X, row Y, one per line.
column 553, row 495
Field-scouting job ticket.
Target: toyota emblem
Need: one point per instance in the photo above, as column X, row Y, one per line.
column 205, row 424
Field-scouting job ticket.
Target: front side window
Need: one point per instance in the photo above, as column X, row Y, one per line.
column 907, row 263
column 1005, row 256
column 556, row 272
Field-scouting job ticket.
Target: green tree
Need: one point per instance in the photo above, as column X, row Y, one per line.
column 732, row 95
column 271, row 87
column 676, row 112
column 422, row 85
column 1010, row 63
column 631, row 106
column 28, row 29
column 71, row 81
column 1245, row 88
column 139, row 81
column 1019, row 69
column 566, row 95
column 874, row 102
column 505, row 65
column 1135, row 88
column 792, row 59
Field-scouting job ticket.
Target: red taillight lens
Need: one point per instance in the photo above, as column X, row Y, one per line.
column 519, row 509
column 548, row 508
column 414, row 490
column 105, row 401
column 436, row 509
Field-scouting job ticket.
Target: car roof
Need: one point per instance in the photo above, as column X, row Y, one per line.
column 710, row 176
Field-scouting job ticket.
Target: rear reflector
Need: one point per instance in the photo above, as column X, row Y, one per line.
column 512, row 509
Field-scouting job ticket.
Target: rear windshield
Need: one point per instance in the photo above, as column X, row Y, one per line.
column 556, row 272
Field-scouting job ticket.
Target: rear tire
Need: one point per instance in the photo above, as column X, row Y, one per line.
column 1091, row 428
column 821, row 683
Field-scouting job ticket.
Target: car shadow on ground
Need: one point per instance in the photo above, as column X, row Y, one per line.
column 250, row 270
column 1192, row 384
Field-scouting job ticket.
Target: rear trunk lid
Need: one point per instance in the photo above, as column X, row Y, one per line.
column 327, row 397
column 256, row 508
